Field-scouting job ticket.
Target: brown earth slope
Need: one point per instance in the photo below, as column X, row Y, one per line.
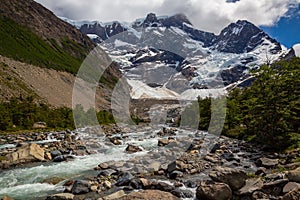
column 28, row 24
column 47, row 85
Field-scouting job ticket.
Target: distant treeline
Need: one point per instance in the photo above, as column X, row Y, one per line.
column 21, row 114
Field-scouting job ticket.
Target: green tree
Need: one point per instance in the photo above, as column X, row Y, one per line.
column 268, row 110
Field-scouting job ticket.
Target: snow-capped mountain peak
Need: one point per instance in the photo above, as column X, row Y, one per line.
column 241, row 37
column 169, row 52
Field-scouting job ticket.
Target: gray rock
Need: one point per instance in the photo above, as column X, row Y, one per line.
column 107, row 184
column 107, row 172
column 175, row 174
column 60, row 158
column 115, row 141
column 190, row 184
column 124, row 179
column 182, row 193
column 103, row 166
column 155, row 166
column 259, row 195
column 275, row 187
column 81, row 187
column 164, row 142
column 136, row 184
column 275, row 176
column 177, row 165
column 235, row 178
column 211, row 159
column 133, row 149
column 62, row 196
column 160, row 186
column 294, row 175
column 251, row 186
column 213, row 191
column 290, row 186
column 115, row 195
column 149, row 195
column 293, row 195
column 55, row 153
column 261, row 171
column 267, row 162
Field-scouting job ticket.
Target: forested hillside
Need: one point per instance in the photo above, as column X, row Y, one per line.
column 268, row 112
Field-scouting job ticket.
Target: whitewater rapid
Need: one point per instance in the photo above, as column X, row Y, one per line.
column 27, row 183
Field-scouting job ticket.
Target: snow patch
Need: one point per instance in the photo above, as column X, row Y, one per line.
column 119, row 43
column 187, row 25
column 158, row 33
column 142, row 91
column 78, row 24
column 92, row 36
column 237, row 30
column 179, row 31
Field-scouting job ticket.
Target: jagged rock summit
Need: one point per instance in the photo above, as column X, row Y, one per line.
column 201, row 58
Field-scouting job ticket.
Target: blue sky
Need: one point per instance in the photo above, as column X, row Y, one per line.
column 287, row 30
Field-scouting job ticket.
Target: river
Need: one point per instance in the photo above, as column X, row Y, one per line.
column 27, row 182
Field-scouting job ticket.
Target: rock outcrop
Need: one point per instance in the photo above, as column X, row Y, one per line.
column 26, row 153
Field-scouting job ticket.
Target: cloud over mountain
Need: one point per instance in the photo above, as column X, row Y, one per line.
column 206, row 15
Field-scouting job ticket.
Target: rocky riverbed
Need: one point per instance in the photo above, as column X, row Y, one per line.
column 161, row 163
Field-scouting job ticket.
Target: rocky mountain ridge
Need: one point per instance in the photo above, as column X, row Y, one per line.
column 239, row 37
column 177, row 56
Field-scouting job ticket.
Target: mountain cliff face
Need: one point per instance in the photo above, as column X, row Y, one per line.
column 171, row 54
column 241, row 37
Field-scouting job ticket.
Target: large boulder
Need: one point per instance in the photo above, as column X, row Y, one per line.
column 235, row 178
column 294, row 175
column 150, row 195
column 290, row 186
column 117, row 195
column 55, row 153
column 27, row 153
column 267, row 162
column 274, row 188
column 213, row 191
column 124, row 179
column 61, row 196
column 251, row 186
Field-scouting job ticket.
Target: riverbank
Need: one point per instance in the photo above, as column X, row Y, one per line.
column 167, row 162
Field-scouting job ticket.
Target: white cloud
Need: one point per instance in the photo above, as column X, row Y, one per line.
column 204, row 14
column 296, row 47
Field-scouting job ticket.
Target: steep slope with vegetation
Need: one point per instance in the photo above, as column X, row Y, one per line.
column 19, row 43
column 34, row 35
column 39, row 58
column 268, row 112
column 43, row 23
